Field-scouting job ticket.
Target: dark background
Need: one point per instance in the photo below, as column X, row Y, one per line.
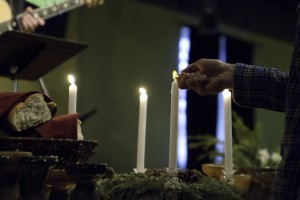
column 275, row 18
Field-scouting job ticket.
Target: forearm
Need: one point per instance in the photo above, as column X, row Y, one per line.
column 259, row 87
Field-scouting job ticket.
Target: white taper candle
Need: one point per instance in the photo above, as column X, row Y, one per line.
column 228, row 131
column 72, row 95
column 173, row 125
column 142, row 131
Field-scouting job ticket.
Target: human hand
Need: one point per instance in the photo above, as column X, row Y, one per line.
column 30, row 22
column 93, row 3
column 207, row 76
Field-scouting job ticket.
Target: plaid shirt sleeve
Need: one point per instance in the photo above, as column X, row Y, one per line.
column 260, row 87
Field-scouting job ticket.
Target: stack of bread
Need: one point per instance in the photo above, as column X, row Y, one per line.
column 33, row 114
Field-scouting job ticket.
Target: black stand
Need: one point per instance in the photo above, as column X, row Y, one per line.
column 30, row 56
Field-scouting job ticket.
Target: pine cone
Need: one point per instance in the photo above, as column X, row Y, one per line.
column 190, row 176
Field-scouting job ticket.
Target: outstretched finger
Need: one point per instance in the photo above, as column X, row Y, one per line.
column 181, row 80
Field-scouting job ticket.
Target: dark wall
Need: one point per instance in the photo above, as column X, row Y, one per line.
column 275, row 18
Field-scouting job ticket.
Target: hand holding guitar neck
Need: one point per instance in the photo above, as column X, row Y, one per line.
column 30, row 22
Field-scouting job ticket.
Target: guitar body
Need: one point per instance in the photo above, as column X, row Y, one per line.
column 5, row 11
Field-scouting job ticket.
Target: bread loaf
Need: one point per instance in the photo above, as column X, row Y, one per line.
column 30, row 113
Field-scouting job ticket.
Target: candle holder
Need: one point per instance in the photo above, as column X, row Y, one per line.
column 229, row 176
column 139, row 170
column 61, row 184
column 85, row 175
column 172, row 171
column 35, row 170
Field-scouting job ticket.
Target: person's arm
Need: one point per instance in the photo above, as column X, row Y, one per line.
column 260, row 87
column 253, row 86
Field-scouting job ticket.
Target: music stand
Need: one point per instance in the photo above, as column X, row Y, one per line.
column 30, row 56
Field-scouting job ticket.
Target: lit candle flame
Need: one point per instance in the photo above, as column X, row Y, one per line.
column 71, row 79
column 175, row 75
column 143, row 91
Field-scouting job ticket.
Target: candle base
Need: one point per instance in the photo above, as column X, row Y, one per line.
column 228, row 176
column 172, row 171
column 139, row 170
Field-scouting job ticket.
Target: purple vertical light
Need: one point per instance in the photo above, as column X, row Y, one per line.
column 183, row 60
column 220, row 106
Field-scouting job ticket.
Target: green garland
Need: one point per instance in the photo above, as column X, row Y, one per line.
column 157, row 185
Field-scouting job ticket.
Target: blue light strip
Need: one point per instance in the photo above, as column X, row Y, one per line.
column 183, row 61
column 220, row 106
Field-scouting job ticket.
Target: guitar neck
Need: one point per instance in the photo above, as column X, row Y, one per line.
column 54, row 10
